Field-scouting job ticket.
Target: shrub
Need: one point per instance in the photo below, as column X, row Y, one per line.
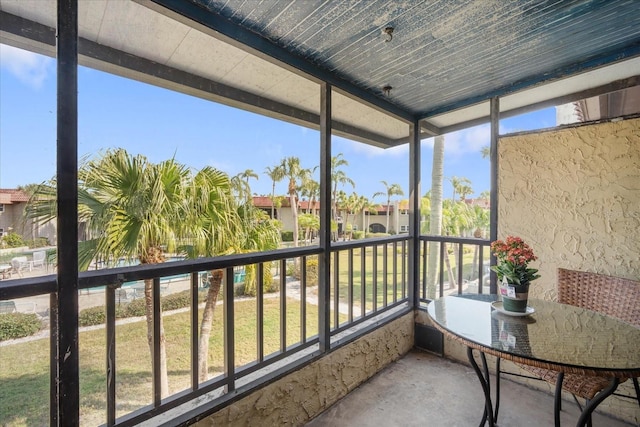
column 18, row 325
column 378, row 234
column 357, row 235
column 12, row 240
column 312, row 271
column 135, row 308
column 92, row 316
column 176, row 301
column 97, row 315
column 287, row 236
column 40, row 242
column 270, row 285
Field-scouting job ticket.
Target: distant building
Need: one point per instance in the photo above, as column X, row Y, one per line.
column 12, row 217
column 608, row 106
column 374, row 222
column 482, row 202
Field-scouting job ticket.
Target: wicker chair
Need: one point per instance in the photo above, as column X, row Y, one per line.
column 613, row 296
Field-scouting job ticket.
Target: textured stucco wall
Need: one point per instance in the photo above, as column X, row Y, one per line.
column 574, row 196
column 300, row 396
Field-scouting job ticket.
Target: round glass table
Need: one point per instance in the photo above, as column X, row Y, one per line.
column 554, row 336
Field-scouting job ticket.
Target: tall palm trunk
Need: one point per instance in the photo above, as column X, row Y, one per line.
column 154, row 255
column 447, row 263
column 294, row 211
column 215, row 282
column 435, row 223
column 476, row 253
column 388, row 212
column 273, row 195
column 148, row 309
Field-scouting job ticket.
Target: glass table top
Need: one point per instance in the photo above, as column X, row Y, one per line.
column 555, row 333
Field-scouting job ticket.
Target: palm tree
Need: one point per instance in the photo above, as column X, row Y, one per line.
column 338, row 176
column 292, row 170
column 480, row 221
column 465, row 190
column 367, row 206
column 130, row 207
column 456, row 217
column 276, row 174
column 351, row 206
column 390, row 191
column 485, row 151
column 257, row 233
column 310, row 189
column 210, row 226
column 461, row 187
column 309, row 223
column 214, row 224
column 240, row 183
column 425, row 210
column 435, row 220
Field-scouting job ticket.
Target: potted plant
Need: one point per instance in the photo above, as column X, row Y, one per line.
column 514, row 256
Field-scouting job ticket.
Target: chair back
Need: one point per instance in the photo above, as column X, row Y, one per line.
column 18, row 263
column 613, row 296
column 38, row 257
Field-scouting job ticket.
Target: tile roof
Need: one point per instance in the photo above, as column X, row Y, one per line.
column 10, row 196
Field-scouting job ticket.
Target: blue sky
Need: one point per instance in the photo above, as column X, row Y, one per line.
column 116, row 112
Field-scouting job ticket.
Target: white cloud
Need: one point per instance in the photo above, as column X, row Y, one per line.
column 30, row 68
column 458, row 143
column 464, row 141
column 467, row 140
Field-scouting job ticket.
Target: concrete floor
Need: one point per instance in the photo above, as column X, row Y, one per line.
column 425, row 390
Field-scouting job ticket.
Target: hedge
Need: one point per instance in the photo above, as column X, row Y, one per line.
column 18, row 325
column 97, row 315
column 312, row 271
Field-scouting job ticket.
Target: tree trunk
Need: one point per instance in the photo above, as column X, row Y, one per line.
column 364, row 224
column 447, row 263
column 273, row 195
column 148, row 308
column 476, row 252
column 435, row 223
column 215, row 283
column 474, row 269
column 388, row 212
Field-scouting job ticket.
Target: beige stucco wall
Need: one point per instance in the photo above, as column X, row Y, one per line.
column 574, row 195
column 300, row 396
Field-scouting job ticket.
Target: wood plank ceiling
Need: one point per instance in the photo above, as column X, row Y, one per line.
column 444, row 60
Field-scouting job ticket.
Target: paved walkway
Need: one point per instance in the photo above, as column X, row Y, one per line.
column 94, row 298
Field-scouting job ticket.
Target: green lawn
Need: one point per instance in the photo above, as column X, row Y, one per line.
column 24, row 368
column 469, row 273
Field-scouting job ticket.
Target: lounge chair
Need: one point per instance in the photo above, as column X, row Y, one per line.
column 18, row 264
column 125, row 295
column 39, row 259
column 7, row 307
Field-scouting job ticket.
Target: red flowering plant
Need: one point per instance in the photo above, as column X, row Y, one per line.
column 513, row 257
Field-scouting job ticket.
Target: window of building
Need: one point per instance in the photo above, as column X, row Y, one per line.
column 404, row 228
column 1, row 207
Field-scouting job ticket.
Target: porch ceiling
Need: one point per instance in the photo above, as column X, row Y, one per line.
column 445, row 60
